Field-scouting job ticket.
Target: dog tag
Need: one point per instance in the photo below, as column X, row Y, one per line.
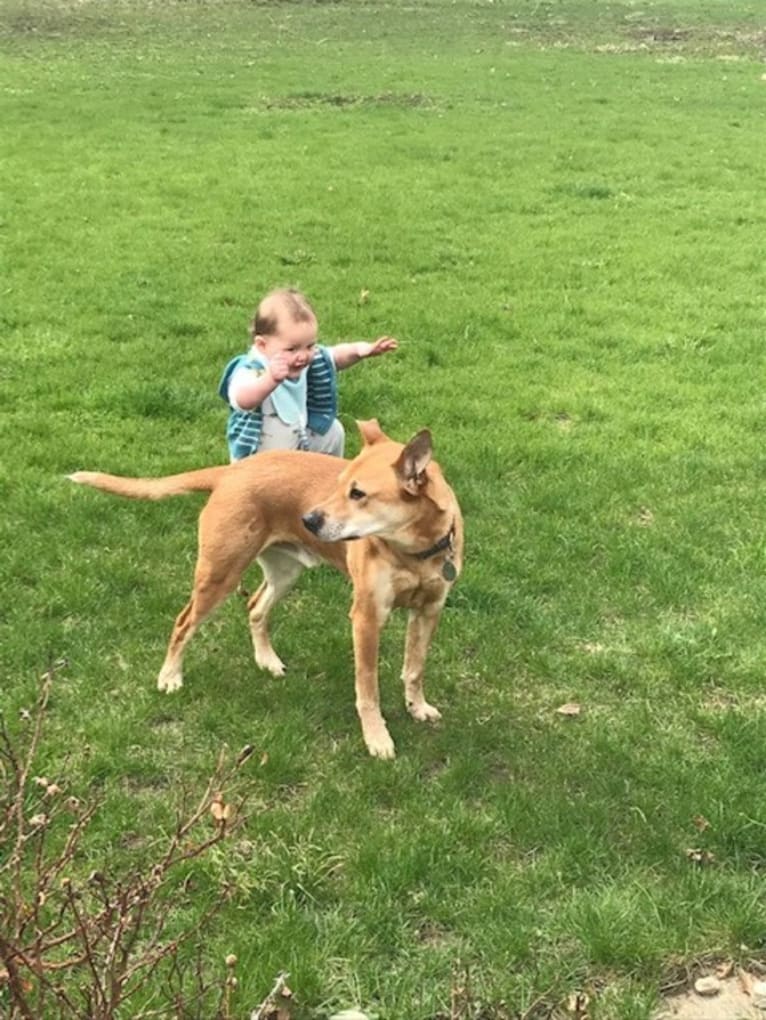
column 449, row 573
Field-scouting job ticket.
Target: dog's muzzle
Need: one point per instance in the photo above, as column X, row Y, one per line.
column 313, row 521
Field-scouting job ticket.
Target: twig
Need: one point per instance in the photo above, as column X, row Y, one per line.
column 88, row 947
column 270, row 1000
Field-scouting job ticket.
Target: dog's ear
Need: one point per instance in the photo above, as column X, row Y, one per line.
column 412, row 463
column 371, row 431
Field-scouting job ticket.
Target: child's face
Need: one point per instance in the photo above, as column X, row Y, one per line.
column 295, row 341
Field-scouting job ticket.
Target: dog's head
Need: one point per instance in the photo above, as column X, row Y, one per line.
column 384, row 491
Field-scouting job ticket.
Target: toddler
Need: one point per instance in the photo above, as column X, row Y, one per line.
column 283, row 392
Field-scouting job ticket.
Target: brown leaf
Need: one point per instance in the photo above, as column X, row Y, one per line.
column 280, row 1012
column 220, row 811
column 570, row 709
column 707, row 986
column 699, row 856
column 745, row 981
column 724, row 970
column 758, row 993
column 244, row 754
column 577, row 1005
column 701, row 823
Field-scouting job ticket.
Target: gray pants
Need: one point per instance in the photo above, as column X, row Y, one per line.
column 275, row 435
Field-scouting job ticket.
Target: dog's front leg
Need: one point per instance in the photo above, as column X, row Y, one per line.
column 367, row 620
column 420, row 629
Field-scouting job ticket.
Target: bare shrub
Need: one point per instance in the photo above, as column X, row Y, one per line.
column 98, row 947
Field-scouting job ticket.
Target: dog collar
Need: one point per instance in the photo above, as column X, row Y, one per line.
column 448, row 567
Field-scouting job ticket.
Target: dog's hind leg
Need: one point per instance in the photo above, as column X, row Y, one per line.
column 220, row 566
column 209, row 591
column 420, row 630
column 281, row 566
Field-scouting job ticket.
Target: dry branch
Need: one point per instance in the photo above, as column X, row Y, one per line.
column 89, row 945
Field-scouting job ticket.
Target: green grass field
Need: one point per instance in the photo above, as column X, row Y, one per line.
column 558, row 209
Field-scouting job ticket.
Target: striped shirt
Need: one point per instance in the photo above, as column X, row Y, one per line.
column 243, row 430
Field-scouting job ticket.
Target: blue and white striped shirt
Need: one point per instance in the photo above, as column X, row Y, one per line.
column 243, row 430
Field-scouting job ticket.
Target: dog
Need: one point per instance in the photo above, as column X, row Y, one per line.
column 387, row 519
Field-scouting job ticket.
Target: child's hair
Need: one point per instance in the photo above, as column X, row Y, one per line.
column 284, row 299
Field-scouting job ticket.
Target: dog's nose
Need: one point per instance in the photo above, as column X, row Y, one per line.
column 314, row 521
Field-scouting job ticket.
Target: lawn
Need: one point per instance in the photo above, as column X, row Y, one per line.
column 557, row 207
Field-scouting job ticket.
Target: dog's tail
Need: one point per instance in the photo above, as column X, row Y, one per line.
column 203, row 480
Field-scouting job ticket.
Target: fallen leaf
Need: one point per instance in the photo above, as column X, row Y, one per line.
column 244, row 754
column 698, row 856
column 364, row 296
column 577, row 1005
column 724, row 970
column 745, row 981
column 701, row 823
column 758, row 992
column 707, row 986
column 570, row 709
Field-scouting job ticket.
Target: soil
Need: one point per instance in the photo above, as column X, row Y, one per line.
column 731, row 1003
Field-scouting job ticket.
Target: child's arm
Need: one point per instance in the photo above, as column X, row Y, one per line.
column 345, row 355
column 248, row 388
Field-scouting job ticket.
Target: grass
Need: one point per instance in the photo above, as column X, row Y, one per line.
column 558, row 210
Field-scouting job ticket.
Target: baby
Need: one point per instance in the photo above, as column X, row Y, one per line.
column 283, row 393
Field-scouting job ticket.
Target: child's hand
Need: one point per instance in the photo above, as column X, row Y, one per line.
column 346, row 355
column 382, row 345
column 279, row 366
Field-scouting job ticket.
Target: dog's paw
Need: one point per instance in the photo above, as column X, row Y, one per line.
column 271, row 662
column 382, row 749
column 379, row 743
column 170, row 680
column 423, row 712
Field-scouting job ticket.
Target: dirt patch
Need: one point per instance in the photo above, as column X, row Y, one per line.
column 319, row 100
column 664, row 35
column 705, row 40
column 635, row 33
column 732, row 1002
column 54, row 20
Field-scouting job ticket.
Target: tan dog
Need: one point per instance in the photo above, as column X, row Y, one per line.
column 293, row 510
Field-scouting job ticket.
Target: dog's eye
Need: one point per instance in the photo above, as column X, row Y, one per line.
column 355, row 493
